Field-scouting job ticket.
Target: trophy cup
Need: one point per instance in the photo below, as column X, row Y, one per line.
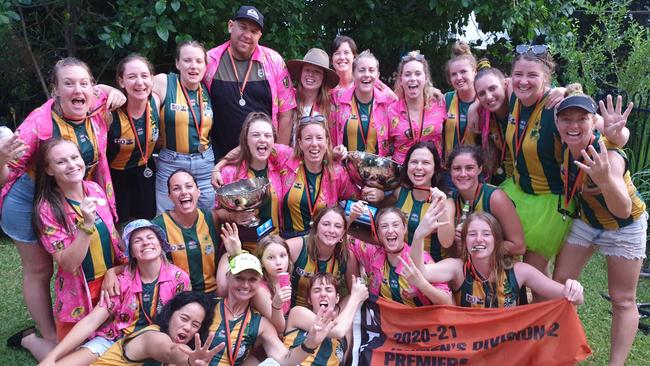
column 244, row 195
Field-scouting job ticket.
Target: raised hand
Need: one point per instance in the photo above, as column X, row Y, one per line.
column 88, row 207
column 325, row 321
column 359, row 289
column 434, row 218
column 555, row 97
column 596, row 165
column 614, row 119
column 230, row 238
column 412, row 273
column 202, row 354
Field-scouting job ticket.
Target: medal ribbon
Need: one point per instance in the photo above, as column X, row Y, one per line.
column 474, row 203
column 242, row 86
column 413, row 134
column 232, row 353
column 355, row 112
column 578, row 181
column 312, row 205
column 147, row 126
column 198, row 123
column 539, row 106
column 154, row 304
column 461, row 138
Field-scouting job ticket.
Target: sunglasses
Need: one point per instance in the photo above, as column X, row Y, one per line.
column 536, row 49
column 566, row 213
column 410, row 57
column 309, row 119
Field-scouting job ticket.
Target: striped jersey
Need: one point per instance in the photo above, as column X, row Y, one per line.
column 123, row 151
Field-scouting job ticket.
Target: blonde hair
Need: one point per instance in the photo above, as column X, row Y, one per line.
column 364, row 54
column 428, row 85
column 460, row 51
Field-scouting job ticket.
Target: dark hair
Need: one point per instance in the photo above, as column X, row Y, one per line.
column 133, row 262
column 474, row 151
column 132, row 57
column 545, row 59
column 179, row 170
column 341, row 249
column 339, row 40
column 181, row 299
column 245, row 153
column 387, row 210
column 325, row 278
column 264, row 243
column 47, row 190
column 192, row 43
column 435, row 179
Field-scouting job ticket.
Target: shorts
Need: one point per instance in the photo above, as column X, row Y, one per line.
column 135, row 195
column 628, row 242
column 17, row 210
column 98, row 345
column 544, row 227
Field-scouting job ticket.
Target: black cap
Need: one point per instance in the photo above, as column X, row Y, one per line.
column 577, row 101
column 250, row 13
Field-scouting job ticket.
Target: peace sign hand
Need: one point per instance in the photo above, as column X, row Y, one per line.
column 613, row 119
column 325, row 321
column 596, row 165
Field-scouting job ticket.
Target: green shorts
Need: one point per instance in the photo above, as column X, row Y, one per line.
column 544, row 227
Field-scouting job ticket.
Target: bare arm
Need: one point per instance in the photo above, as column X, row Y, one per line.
column 528, row 275
column 264, row 304
column 159, row 346
column 284, row 127
column 160, row 88
column 513, row 234
column 416, row 279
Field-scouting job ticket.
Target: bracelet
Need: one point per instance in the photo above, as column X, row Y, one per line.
column 280, row 308
column 87, row 230
column 307, row 349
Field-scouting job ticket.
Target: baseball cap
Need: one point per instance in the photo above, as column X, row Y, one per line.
column 250, row 13
column 245, row 261
column 577, row 101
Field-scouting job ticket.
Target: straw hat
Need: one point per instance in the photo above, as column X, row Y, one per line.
column 316, row 57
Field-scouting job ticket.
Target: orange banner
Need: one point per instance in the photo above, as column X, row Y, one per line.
column 548, row 333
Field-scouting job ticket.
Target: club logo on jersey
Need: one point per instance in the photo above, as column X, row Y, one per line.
column 178, row 107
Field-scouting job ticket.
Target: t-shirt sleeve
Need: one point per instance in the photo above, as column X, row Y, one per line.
column 286, row 96
column 53, row 236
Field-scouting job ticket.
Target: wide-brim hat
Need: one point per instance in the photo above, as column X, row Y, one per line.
column 577, row 101
column 142, row 224
column 316, row 57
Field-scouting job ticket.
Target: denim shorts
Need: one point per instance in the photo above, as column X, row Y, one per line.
column 17, row 208
column 98, row 345
column 199, row 164
column 628, row 242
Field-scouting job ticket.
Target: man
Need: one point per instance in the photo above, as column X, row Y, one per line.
column 244, row 77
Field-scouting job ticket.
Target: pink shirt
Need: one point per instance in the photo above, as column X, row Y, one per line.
column 402, row 138
column 72, row 294
column 343, row 109
column 38, row 127
column 372, row 258
column 277, row 74
column 125, row 307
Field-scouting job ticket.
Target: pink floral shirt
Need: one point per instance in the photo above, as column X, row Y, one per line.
column 38, row 127
column 125, row 307
column 72, row 294
column 284, row 97
column 401, row 135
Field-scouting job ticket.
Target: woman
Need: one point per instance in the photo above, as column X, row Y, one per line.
column 534, row 145
column 315, row 80
column 243, row 329
column 73, row 113
column 324, row 293
column 311, row 181
column 191, row 232
column 387, row 273
column 481, row 277
column 465, row 164
column 146, row 285
column 76, row 226
column 186, row 121
column 132, row 135
column 416, row 116
column 182, row 322
column 360, row 117
column 613, row 217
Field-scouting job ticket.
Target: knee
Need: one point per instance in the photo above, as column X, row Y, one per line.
column 38, row 268
column 623, row 301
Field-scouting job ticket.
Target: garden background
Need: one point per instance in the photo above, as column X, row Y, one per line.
column 605, row 45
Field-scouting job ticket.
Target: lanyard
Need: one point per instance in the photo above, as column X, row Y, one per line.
column 147, row 124
column 461, row 139
column 312, row 205
column 248, row 71
column 198, row 123
column 474, row 203
column 153, row 307
column 499, row 137
column 232, row 353
column 413, row 134
column 355, row 111
column 576, row 183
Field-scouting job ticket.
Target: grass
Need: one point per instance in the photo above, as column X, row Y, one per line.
column 594, row 313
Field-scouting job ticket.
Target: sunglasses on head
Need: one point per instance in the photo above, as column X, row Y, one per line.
column 309, row 119
column 411, row 57
column 535, row 49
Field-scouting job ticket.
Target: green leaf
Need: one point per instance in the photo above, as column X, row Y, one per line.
column 4, row 19
column 13, row 15
column 126, row 38
column 160, row 7
column 104, row 36
column 162, row 31
column 176, row 5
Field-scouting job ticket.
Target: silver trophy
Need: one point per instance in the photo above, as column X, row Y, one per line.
column 370, row 170
column 244, row 195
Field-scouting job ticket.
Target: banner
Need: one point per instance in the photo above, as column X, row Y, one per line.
column 391, row 334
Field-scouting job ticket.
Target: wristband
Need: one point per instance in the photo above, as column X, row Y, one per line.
column 87, row 230
column 307, row 349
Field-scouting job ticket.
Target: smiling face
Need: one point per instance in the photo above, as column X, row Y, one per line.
column 342, row 59
column 244, row 38
column 420, row 168
column 490, row 92
column 260, row 141
column 313, row 142
column 183, row 193
column 191, row 65
column 74, row 91
column 365, row 74
column 65, row 164
column 576, row 126
column 461, row 75
column 479, row 240
column 391, row 232
column 275, row 259
column 323, row 295
column 311, row 77
column 243, row 285
column 529, row 80
column 413, row 79
column 330, row 229
column 185, row 323
column 136, row 80
column 465, row 172
column 145, row 245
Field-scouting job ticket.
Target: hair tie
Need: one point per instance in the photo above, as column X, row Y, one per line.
column 484, row 64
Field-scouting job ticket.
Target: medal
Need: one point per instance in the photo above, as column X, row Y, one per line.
column 147, row 172
column 499, row 170
column 242, row 102
column 241, row 85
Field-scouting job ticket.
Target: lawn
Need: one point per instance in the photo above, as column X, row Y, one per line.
column 594, row 314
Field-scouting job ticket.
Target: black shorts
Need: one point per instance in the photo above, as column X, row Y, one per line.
column 135, row 195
